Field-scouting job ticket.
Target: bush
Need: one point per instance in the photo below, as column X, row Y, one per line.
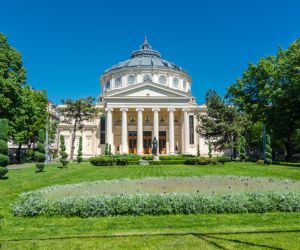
column 268, row 151
column 64, row 162
column 167, row 162
column 260, row 162
column 121, row 161
column 3, row 147
column 39, row 157
column 202, row 161
column 62, row 152
column 148, row 157
column 34, row 203
column 40, row 147
column 102, row 161
column 191, row 161
column 40, row 166
column 171, row 157
column 4, row 160
column 223, row 159
column 3, row 172
column 295, row 164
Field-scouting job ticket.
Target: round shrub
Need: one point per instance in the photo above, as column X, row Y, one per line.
column 121, row 161
column 64, row 162
column 40, row 147
column 3, row 147
column 260, row 162
column 39, row 157
column 79, row 159
column 3, row 172
column 4, row 160
column 40, row 166
column 63, row 154
column 102, row 161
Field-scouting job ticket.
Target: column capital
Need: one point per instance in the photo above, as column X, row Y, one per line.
column 109, row 109
column 171, row 109
column 123, row 109
column 139, row 109
column 185, row 109
column 156, row 109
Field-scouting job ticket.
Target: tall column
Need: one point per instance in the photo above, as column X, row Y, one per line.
column 109, row 134
column 171, row 130
column 156, row 126
column 186, row 131
column 124, row 131
column 140, row 148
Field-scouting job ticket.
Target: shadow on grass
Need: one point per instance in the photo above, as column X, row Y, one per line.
column 207, row 237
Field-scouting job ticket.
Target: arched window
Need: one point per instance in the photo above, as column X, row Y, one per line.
column 175, row 82
column 107, row 85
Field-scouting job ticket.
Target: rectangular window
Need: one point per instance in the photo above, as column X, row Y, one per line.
column 102, row 130
column 192, row 129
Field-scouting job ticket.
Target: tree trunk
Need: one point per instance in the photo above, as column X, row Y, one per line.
column 289, row 150
column 19, row 153
column 73, row 141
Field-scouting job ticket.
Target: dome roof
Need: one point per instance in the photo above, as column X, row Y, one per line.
column 147, row 57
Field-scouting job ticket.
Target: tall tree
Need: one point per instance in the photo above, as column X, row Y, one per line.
column 222, row 125
column 269, row 92
column 75, row 113
column 24, row 108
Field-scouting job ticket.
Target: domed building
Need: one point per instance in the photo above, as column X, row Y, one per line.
column 143, row 98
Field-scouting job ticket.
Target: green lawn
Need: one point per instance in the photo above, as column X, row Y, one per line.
column 210, row 231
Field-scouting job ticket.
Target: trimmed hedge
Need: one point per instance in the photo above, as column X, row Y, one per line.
column 293, row 164
column 3, row 147
column 39, row 157
column 102, row 161
column 167, row 162
column 40, row 166
column 4, row 160
column 205, row 161
column 3, row 172
column 34, row 203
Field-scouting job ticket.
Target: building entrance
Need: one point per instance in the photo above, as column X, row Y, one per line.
column 162, row 142
column 147, row 137
column 132, row 138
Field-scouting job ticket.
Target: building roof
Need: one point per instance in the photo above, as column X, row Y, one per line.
column 148, row 57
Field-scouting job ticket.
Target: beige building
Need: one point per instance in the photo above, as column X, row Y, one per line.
column 142, row 98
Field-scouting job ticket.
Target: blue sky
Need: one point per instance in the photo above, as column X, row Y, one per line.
column 66, row 45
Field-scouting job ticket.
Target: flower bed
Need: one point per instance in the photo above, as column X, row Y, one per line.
column 33, row 204
column 171, row 195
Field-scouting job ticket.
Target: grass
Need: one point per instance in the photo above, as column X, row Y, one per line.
column 209, row 231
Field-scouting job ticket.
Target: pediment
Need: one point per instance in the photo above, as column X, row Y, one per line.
column 147, row 90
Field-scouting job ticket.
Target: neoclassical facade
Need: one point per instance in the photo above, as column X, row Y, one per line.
column 142, row 98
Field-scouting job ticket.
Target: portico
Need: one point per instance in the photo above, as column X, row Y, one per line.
column 131, row 130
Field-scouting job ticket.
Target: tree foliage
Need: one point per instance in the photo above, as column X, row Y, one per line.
column 75, row 113
column 222, row 125
column 269, row 92
column 4, row 160
column 23, row 107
